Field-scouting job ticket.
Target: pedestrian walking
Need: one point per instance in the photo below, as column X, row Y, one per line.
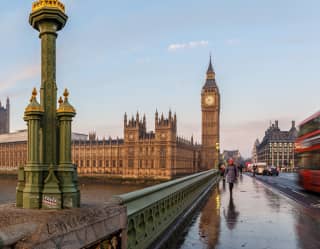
column 254, row 169
column 231, row 174
column 240, row 167
column 222, row 169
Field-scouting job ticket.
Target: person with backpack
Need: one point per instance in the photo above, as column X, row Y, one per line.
column 231, row 173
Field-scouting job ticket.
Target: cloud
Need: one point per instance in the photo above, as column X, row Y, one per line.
column 193, row 44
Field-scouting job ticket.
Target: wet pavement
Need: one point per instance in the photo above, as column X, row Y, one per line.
column 287, row 184
column 257, row 217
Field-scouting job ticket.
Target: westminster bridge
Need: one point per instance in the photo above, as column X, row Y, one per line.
column 148, row 218
column 48, row 212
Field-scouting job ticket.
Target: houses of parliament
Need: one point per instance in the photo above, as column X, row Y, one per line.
column 158, row 154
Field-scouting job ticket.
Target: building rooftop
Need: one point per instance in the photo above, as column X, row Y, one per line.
column 22, row 136
column 274, row 134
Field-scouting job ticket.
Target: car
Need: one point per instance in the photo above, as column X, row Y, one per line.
column 271, row 171
column 274, row 171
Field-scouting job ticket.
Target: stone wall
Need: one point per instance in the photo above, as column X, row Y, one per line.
column 67, row 229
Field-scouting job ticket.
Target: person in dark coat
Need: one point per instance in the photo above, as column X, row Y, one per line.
column 222, row 169
column 254, row 169
column 240, row 168
column 231, row 174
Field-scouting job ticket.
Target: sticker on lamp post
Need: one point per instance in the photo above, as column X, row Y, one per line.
column 49, row 202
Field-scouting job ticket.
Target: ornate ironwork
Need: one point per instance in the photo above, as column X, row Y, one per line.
column 112, row 242
column 47, row 3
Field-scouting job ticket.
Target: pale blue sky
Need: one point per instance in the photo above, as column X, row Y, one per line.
column 124, row 56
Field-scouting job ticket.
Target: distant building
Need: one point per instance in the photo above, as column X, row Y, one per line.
column 157, row 154
column 160, row 154
column 277, row 147
column 13, row 148
column 234, row 154
column 5, row 117
column 254, row 157
column 210, row 110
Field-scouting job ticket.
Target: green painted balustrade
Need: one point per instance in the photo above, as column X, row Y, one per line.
column 152, row 210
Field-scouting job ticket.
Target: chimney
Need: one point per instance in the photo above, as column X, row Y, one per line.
column 293, row 124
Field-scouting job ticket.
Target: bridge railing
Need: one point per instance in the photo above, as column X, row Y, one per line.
column 152, row 210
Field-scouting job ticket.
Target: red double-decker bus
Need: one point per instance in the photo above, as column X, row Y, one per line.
column 307, row 149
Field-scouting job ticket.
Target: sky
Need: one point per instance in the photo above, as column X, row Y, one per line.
column 128, row 56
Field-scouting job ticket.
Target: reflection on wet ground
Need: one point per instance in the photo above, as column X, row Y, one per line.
column 231, row 215
column 254, row 218
column 91, row 193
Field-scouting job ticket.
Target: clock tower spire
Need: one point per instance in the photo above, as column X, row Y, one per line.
column 211, row 77
column 210, row 108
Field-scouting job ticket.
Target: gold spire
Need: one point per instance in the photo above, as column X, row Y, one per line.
column 34, row 106
column 40, row 4
column 60, row 101
column 34, row 93
column 66, row 93
column 65, row 106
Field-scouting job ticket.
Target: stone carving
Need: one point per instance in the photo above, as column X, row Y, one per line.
column 68, row 229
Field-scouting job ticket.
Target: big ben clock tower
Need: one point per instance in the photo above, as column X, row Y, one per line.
column 210, row 108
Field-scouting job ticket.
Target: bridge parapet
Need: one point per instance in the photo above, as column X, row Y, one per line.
column 99, row 226
column 151, row 211
column 135, row 220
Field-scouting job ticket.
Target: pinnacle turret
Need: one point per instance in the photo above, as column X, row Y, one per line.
column 211, row 77
column 125, row 120
column 210, row 67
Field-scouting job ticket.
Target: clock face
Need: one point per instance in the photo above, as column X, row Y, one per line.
column 163, row 135
column 130, row 136
column 209, row 100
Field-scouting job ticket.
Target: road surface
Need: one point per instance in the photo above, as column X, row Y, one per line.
column 257, row 217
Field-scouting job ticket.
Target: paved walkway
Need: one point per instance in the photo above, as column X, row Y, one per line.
column 255, row 218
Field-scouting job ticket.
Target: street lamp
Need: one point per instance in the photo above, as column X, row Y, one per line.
column 217, row 154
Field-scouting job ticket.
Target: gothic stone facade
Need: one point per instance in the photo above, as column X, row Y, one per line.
column 141, row 154
column 210, row 108
column 277, row 147
column 5, row 117
column 159, row 154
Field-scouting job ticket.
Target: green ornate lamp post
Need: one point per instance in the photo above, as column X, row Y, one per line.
column 66, row 171
column 49, row 179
